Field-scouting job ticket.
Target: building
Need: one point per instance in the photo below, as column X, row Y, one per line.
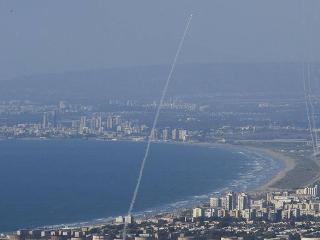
column 165, row 134
column 55, row 119
column 174, row 134
column 109, row 122
column 98, row 123
column 99, row 237
column 129, row 219
column 183, row 135
column 45, row 121
column 83, row 124
column 154, row 134
column 197, row 212
column 243, row 201
column 119, row 219
column 209, row 212
column 312, row 191
column 230, row 201
column 215, row 202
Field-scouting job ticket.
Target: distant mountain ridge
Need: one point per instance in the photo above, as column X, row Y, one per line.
column 134, row 82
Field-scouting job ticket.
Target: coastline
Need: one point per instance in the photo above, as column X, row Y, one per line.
column 289, row 163
column 297, row 171
column 176, row 207
column 194, row 200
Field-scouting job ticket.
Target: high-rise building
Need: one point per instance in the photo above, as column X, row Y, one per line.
column 45, row 121
column 109, row 122
column 55, row 118
column 230, row 201
column 129, row 219
column 197, row 212
column 154, row 134
column 215, row 202
column 99, row 123
column 312, row 191
column 119, row 219
column 224, row 202
column 174, row 134
column 182, row 135
column 243, row 201
column 92, row 123
column 83, row 123
column 165, row 134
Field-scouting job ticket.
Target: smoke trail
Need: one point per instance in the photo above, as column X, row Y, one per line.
column 155, row 121
column 312, row 112
column 307, row 107
column 304, row 73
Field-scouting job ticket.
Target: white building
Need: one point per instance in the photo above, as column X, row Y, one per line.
column 129, row 219
column 119, row 219
column 215, row 202
column 312, row 191
column 183, row 135
column 242, row 201
column 197, row 212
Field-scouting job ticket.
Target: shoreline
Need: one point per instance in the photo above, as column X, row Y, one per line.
column 289, row 163
column 195, row 200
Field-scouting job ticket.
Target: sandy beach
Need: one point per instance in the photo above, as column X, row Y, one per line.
column 297, row 171
column 289, row 163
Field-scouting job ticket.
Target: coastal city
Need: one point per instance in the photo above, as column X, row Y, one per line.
column 160, row 120
column 182, row 120
column 279, row 215
column 288, row 212
column 272, row 125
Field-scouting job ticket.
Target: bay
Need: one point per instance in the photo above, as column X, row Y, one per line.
column 46, row 182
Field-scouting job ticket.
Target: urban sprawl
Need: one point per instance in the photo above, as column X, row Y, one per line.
column 289, row 208
column 271, row 215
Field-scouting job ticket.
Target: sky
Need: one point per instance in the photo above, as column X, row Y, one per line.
column 41, row 36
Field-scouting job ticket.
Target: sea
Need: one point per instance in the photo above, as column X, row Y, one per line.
column 70, row 181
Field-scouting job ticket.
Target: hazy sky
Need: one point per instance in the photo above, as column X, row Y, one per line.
column 55, row 36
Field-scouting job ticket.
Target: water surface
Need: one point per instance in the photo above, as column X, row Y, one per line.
column 45, row 182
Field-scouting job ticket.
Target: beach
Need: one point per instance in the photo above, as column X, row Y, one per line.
column 265, row 169
column 102, row 177
column 289, row 165
column 300, row 169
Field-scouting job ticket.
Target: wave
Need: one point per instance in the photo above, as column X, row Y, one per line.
column 262, row 169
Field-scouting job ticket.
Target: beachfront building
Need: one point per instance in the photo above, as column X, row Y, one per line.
column 311, row 191
column 243, row 201
column 197, row 212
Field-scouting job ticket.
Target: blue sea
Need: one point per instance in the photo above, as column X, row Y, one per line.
column 49, row 182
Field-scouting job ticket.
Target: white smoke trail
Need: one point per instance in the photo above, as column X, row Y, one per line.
column 304, row 73
column 306, row 96
column 155, row 121
column 312, row 112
